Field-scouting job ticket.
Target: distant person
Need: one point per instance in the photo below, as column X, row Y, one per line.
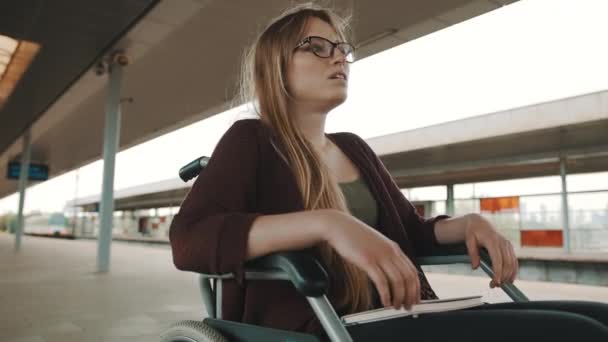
column 280, row 183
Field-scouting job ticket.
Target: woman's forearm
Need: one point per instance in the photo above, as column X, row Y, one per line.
column 291, row 231
column 453, row 230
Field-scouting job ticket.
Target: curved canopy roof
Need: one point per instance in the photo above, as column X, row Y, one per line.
column 184, row 58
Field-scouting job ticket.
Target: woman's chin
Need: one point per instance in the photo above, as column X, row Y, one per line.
column 338, row 100
column 337, row 95
column 330, row 101
column 335, row 102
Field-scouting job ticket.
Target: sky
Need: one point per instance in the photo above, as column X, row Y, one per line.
column 528, row 52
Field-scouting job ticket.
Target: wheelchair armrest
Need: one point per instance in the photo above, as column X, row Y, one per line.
column 301, row 268
column 457, row 253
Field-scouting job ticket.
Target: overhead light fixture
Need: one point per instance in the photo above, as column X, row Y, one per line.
column 7, row 49
column 15, row 58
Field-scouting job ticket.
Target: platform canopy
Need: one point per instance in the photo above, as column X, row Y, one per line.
column 521, row 142
column 184, row 59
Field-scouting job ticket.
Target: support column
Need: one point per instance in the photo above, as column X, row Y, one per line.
column 449, row 207
column 565, row 207
column 74, row 207
column 110, row 146
column 23, row 178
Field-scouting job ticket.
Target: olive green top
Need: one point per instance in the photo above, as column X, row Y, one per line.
column 363, row 206
column 360, row 201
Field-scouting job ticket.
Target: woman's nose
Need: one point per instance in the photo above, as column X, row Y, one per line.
column 338, row 56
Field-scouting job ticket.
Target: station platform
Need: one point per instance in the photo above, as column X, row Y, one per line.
column 50, row 292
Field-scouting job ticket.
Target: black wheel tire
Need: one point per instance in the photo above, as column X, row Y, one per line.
column 192, row 331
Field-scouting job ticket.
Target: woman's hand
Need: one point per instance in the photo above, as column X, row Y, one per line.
column 479, row 232
column 392, row 272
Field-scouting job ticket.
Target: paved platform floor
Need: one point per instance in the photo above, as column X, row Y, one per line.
column 50, row 291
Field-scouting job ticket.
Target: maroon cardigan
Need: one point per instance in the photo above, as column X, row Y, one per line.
column 246, row 178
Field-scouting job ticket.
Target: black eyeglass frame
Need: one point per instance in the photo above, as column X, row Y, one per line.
column 333, row 48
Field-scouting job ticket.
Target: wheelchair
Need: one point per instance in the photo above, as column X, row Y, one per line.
column 307, row 276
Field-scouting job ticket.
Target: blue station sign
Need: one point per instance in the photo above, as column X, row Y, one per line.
column 37, row 172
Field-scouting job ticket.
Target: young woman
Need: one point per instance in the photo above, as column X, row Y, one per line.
column 281, row 183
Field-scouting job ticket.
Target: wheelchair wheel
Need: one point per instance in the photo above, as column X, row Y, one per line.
column 192, row 331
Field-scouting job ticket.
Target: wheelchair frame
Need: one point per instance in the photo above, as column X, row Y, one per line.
column 309, row 278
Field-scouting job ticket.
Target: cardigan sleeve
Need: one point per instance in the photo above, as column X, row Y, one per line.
column 420, row 230
column 210, row 232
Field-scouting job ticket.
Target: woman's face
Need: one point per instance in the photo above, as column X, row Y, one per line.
column 312, row 80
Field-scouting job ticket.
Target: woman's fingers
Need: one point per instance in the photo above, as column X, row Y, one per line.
column 497, row 264
column 413, row 291
column 507, row 263
column 411, row 282
column 379, row 279
column 502, row 255
column 393, row 274
column 513, row 263
column 396, row 283
column 396, row 280
column 514, row 275
column 472, row 250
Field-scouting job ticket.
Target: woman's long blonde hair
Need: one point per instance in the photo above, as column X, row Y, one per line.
column 263, row 83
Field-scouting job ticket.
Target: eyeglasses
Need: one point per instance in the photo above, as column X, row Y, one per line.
column 324, row 48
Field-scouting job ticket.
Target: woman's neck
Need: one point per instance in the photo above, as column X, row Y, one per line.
column 312, row 126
